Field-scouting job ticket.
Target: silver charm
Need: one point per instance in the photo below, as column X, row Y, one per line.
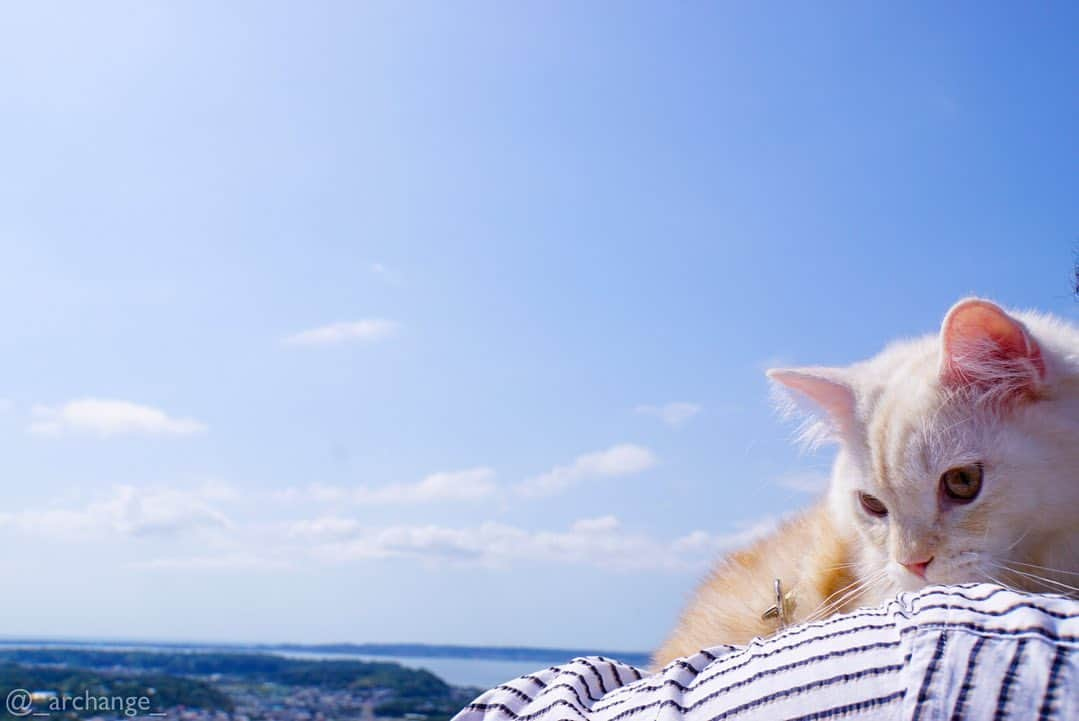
column 782, row 609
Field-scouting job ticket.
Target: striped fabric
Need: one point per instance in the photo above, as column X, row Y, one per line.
column 974, row 651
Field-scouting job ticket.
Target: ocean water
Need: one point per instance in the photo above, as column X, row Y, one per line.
column 482, row 673
column 478, row 672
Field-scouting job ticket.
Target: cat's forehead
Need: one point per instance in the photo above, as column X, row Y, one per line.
column 915, row 431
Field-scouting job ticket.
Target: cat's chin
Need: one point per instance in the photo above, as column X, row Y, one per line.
column 962, row 573
column 904, row 581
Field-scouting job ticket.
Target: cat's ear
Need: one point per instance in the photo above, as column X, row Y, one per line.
column 984, row 348
column 830, row 390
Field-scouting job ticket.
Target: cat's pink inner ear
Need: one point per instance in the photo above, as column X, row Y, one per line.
column 825, row 387
column 981, row 345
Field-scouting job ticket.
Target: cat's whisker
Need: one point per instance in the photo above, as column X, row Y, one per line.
column 1042, row 568
column 1017, row 541
column 1022, row 584
column 982, row 569
column 854, row 593
column 823, row 606
column 999, row 582
column 1040, row 579
column 827, row 607
column 1044, row 585
column 1064, row 588
column 825, row 602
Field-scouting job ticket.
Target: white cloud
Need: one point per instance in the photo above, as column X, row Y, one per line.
column 813, row 482
column 315, row 492
column 323, row 528
column 190, row 530
column 370, row 329
column 433, row 542
column 6, row 404
column 599, row 542
column 107, row 417
column 712, row 544
column 620, row 460
column 128, row 511
column 602, row 524
column 673, row 414
column 466, row 485
column 223, row 562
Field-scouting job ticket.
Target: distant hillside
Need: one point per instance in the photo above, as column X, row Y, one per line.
column 491, row 653
column 166, row 691
column 198, row 679
column 543, row 656
column 263, row 667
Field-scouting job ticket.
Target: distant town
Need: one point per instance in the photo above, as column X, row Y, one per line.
column 106, row 681
column 79, row 683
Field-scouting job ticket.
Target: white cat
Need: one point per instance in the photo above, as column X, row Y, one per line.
column 958, row 461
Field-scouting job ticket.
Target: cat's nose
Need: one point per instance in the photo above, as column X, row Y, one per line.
column 918, row 567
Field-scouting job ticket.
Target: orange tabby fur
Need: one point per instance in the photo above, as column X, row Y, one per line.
column 806, row 553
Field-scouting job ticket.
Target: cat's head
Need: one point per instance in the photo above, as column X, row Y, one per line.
column 959, row 454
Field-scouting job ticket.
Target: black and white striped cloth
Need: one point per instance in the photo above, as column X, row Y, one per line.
column 975, row 651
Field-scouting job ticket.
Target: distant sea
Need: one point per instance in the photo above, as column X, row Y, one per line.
column 479, row 666
column 480, row 672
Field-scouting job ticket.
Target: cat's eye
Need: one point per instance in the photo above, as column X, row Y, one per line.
column 873, row 505
column 962, row 483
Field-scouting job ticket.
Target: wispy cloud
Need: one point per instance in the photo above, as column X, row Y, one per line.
column 369, row 329
column 620, row 460
column 108, row 417
column 127, row 511
column 673, row 414
column 712, row 544
column 385, row 272
column 322, row 528
column 465, row 485
column 813, row 482
column 239, row 561
column 600, row 542
column 193, row 532
column 473, row 484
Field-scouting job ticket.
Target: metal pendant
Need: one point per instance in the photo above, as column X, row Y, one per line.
column 783, row 609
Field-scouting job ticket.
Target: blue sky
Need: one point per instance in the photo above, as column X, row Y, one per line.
column 391, row 322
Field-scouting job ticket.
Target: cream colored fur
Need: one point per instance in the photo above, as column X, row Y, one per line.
column 996, row 388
